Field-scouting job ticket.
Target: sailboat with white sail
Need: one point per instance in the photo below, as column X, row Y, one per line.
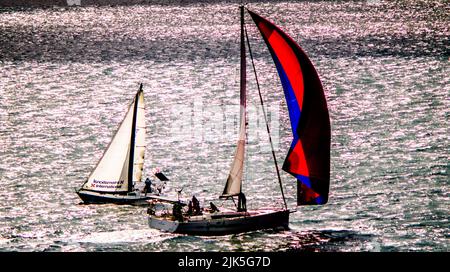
column 116, row 174
column 308, row 158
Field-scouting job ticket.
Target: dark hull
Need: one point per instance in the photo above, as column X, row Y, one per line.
column 224, row 225
column 90, row 197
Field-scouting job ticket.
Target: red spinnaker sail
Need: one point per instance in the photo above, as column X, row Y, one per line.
column 308, row 158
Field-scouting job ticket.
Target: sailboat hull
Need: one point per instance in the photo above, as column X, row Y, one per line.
column 224, row 223
column 90, row 197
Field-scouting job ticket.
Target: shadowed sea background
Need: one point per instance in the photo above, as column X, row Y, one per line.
column 69, row 74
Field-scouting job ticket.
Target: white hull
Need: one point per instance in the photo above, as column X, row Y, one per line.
column 223, row 223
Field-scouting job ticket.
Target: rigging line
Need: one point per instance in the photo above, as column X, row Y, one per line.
column 265, row 118
column 243, row 94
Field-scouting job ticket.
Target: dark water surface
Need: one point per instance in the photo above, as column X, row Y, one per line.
column 68, row 74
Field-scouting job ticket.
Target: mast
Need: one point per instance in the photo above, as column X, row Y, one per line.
column 243, row 90
column 133, row 141
column 233, row 186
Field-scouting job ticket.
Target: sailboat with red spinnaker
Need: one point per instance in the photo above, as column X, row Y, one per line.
column 308, row 158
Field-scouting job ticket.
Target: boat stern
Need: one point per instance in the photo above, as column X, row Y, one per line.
column 162, row 224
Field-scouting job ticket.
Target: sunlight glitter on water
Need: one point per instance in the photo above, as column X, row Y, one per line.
column 68, row 75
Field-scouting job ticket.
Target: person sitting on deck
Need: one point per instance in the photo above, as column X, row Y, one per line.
column 196, row 206
column 160, row 188
column 190, row 208
column 148, row 186
column 242, row 203
column 213, row 207
column 177, row 211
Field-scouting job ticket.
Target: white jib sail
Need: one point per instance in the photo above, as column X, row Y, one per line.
column 111, row 172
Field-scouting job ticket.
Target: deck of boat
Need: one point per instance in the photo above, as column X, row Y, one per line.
column 223, row 223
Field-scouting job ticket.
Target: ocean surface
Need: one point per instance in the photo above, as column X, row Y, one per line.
column 67, row 76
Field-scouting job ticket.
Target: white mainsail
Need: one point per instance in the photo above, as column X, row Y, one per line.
column 112, row 171
column 234, row 180
column 139, row 144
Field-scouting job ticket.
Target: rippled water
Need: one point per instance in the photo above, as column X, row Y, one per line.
column 67, row 76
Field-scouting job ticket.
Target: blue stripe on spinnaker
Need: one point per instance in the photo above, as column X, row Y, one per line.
column 319, row 200
column 291, row 100
column 305, row 180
